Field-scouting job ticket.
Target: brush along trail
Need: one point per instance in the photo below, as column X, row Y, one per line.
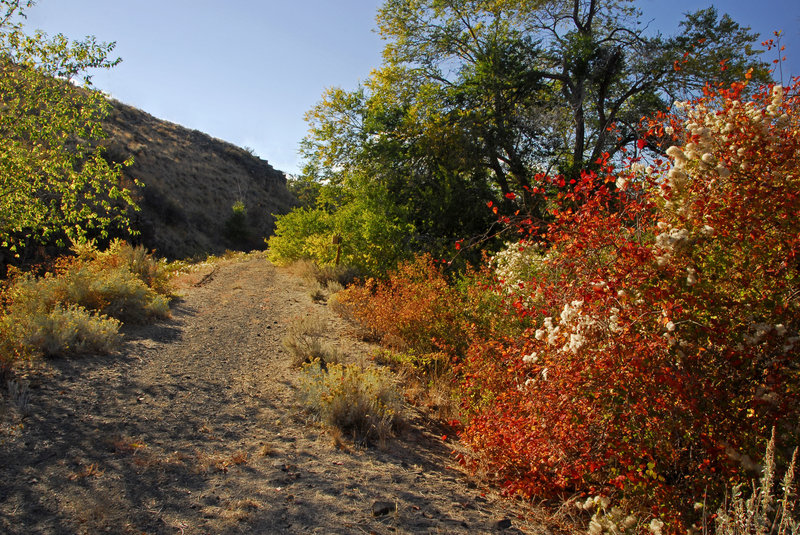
column 194, row 428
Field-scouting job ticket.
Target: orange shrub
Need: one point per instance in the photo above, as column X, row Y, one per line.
column 414, row 309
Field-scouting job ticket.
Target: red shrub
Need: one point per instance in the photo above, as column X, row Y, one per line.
column 668, row 315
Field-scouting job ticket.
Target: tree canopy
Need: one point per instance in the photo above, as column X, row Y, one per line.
column 55, row 184
column 476, row 100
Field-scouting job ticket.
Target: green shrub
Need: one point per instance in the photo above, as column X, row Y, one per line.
column 361, row 402
column 236, row 228
column 373, row 241
column 302, row 234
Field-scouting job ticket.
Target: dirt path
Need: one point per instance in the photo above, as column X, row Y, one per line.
column 194, row 428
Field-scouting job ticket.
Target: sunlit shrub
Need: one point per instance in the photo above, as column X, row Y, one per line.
column 372, row 241
column 362, row 402
column 126, row 297
column 414, row 308
column 665, row 309
column 65, row 311
column 151, row 270
column 71, row 331
column 115, row 292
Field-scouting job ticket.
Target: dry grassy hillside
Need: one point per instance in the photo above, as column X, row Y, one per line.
column 191, row 183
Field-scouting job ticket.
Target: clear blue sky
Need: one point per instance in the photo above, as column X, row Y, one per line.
column 246, row 71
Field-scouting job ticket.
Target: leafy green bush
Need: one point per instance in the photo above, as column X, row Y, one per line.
column 359, row 401
column 303, row 233
column 236, row 228
column 372, row 240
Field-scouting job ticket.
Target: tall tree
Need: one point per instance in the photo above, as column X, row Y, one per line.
column 55, row 183
column 477, row 99
column 555, row 84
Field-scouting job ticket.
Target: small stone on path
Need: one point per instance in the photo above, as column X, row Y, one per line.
column 503, row 524
column 383, row 508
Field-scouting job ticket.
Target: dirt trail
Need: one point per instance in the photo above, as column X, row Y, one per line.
column 194, row 428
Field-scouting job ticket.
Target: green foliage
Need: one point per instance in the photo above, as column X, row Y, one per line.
column 476, row 101
column 237, row 229
column 372, row 239
column 55, row 183
column 362, row 402
column 303, row 233
column 356, row 151
column 551, row 84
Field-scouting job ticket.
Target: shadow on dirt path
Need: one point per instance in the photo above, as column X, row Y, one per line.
column 193, row 428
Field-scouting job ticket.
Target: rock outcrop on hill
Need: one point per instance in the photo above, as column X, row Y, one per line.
column 191, row 183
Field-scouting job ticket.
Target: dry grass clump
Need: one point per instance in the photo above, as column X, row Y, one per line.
column 311, row 272
column 77, row 307
column 427, row 380
column 71, row 331
column 763, row 512
column 360, row 402
column 324, row 282
column 304, row 341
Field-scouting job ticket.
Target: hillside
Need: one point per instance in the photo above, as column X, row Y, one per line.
column 191, row 182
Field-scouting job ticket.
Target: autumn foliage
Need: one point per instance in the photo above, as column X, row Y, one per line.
column 667, row 311
column 413, row 309
column 656, row 336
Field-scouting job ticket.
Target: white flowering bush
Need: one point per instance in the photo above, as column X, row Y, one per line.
column 667, row 322
column 518, row 263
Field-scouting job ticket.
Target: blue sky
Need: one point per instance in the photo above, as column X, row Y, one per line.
column 246, row 71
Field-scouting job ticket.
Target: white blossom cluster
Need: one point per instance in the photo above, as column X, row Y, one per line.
column 702, row 159
column 637, row 169
column 575, row 328
column 710, row 130
column 516, row 264
column 757, row 333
